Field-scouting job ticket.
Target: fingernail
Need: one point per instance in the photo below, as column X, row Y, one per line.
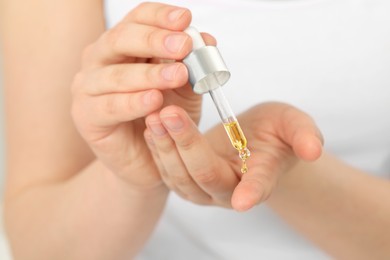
column 176, row 14
column 169, row 71
column 157, row 128
column 173, row 122
column 175, row 42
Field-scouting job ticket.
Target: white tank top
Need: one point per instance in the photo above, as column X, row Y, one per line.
column 330, row 58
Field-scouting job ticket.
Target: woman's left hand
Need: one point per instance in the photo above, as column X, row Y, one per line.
column 205, row 169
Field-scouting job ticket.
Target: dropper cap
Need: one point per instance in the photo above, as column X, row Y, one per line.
column 205, row 65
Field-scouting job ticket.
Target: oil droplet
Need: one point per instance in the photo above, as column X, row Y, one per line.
column 244, row 154
column 244, row 168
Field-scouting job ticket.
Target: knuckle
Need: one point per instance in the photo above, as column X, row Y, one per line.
column 186, row 143
column 129, row 105
column 181, row 180
column 111, row 105
column 114, row 76
column 206, row 175
column 167, row 147
column 151, row 38
column 151, row 75
column 113, row 36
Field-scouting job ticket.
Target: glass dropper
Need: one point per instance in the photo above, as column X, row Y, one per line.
column 207, row 73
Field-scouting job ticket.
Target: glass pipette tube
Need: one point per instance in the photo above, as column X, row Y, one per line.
column 231, row 125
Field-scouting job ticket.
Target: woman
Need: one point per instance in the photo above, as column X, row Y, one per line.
column 101, row 196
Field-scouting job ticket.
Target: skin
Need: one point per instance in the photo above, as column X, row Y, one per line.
column 343, row 210
column 82, row 185
column 88, row 157
column 279, row 136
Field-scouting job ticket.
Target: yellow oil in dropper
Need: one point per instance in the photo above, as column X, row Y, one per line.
column 239, row 142
column 231, row 125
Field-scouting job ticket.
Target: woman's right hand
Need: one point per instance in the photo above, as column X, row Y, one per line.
column 128, row 73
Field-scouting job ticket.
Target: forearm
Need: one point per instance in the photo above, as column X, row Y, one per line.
column 344, row 211
column 95, row 215
column 41, row 43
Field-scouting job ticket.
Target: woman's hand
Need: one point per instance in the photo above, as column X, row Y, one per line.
column 128, row 73
column 206, row 169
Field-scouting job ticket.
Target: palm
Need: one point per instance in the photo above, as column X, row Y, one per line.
column 277, row 136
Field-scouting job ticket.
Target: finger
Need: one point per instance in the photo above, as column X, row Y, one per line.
column 141, row 41
column 291, row 126
column 163, row 172
column 165, row 16
column 300, row 131
column 216, row 178
column 257, row 184
column 175, row 174
column 138, row 40
column 294, row 132
column 159, row 163
column 152, row 147
column 120, row 78
column 111, row 109
column 160, row 15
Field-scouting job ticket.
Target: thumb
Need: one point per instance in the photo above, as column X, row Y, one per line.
column 300, row 131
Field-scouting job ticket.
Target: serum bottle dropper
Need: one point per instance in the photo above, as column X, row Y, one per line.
column 208, row 73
